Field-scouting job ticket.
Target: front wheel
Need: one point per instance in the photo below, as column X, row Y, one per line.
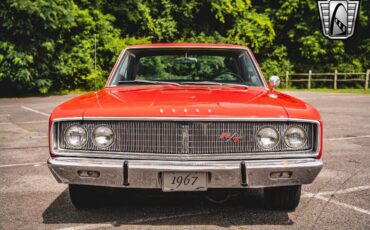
column 283, row 198
column 85, row 196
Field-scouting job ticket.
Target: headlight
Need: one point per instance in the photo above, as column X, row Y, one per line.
column 103, row 137
column 75, row 136
column 295, row 137
column 267, row 137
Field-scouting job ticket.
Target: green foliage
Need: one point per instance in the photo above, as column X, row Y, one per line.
column 276, row 62
column 298, row 24
column 48, row 45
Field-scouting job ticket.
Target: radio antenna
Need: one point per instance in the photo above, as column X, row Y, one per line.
column 95, row 61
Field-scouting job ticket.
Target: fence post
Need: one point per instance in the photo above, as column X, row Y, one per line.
column 309, row 79
column 335, row 78
column 287, row 79
column 367, row 79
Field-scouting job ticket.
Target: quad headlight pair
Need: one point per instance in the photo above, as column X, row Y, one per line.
column 76, row 136
column 267, row 137
column 294, row 137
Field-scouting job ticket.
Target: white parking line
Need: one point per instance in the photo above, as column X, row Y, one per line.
column 35, row 111
column 346, row 138
column 341, row 191
column 355, row 208
column 137, row 221
column 88, row 226
column 23, row 164
column 23, row 122
column 32, row 122
column 344, row 191
column 320, row 196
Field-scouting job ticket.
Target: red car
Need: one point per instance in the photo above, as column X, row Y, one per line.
column 186, row 117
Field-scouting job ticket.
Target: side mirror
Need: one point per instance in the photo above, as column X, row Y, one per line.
column 274, row 82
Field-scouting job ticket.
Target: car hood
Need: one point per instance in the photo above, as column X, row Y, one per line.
column 183, row 101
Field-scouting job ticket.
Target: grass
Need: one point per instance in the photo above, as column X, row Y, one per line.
column 326, row 90
column 81, row 91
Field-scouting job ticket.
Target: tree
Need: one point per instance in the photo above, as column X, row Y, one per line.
column 49, row 45
column 300, row 34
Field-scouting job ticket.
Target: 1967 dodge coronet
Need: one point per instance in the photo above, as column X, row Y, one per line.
column 186, row 117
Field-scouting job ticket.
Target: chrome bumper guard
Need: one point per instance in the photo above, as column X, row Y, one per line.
column 221, row 174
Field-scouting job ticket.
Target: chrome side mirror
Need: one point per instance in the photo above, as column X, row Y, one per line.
column 274, row 82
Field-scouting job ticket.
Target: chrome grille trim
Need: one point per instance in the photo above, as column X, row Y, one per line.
column 172, row 141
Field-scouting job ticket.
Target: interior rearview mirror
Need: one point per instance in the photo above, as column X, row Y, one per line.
column 187, row 60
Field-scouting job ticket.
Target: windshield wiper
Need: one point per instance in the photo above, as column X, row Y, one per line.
column 201, row 83
column 210, row 83
column 148, row 82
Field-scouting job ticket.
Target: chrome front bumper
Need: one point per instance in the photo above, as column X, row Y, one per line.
column 147, row 173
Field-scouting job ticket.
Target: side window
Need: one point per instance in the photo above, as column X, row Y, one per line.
column 124, row 69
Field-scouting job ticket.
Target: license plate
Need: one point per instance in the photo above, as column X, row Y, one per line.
column 184, row 181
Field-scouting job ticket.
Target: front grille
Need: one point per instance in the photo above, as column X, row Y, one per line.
column 190, row 137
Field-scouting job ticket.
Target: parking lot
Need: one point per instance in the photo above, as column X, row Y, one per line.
column 339, row 198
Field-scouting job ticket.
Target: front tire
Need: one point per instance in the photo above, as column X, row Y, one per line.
column 85, row 196
column 283, row 198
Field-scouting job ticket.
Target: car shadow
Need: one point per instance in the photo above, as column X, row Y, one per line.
column 151, row 207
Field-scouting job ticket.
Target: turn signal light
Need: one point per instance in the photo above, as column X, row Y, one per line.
column 281, row 175
column 86, row 173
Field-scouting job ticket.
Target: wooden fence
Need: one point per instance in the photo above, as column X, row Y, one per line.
column 335, row 77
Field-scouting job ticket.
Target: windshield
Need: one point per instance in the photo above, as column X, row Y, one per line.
column 186, row 66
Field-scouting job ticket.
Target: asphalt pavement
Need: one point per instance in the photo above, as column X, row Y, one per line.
column 339, row 198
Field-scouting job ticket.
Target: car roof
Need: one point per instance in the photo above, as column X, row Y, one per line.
column 185, row 45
